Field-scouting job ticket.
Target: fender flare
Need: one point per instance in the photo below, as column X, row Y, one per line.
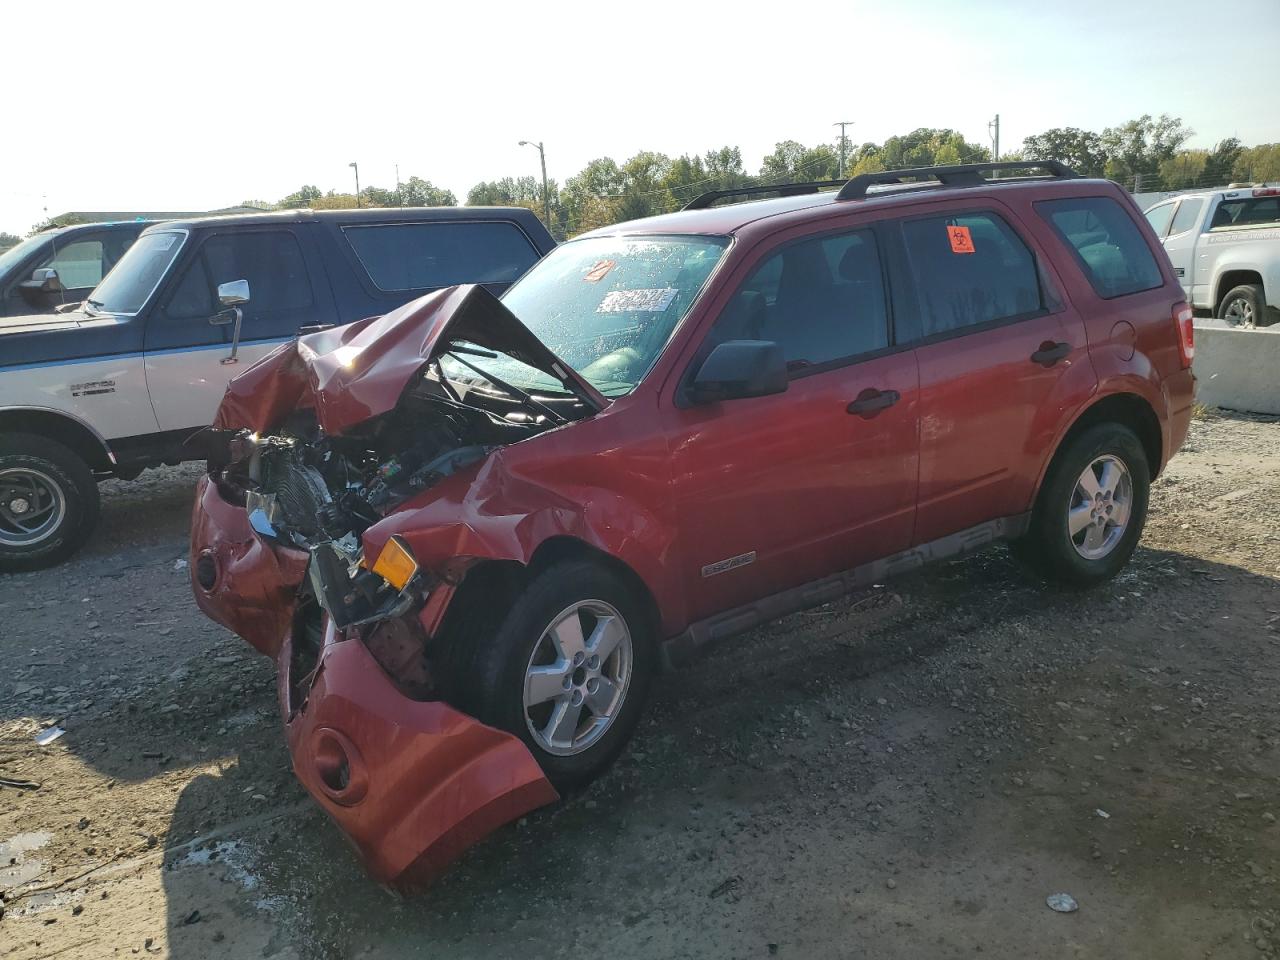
column 78, row 423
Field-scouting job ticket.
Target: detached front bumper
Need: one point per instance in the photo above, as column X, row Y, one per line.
column 411, row 783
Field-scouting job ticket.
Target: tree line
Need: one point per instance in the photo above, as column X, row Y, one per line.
column 1144, row 155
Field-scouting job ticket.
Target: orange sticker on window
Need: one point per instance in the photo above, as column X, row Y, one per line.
column 600, row 271
column 961, row 242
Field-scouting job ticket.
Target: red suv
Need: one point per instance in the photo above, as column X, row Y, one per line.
column 472, row 531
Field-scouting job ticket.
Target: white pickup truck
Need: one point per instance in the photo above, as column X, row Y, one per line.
column 1225, row 249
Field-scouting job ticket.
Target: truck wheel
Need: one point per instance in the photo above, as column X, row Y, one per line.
column 1244, row 306
column 569, row 669
column 1091, row 508
column 48, row 502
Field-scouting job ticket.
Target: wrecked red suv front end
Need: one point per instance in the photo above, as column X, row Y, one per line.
column 325, row 438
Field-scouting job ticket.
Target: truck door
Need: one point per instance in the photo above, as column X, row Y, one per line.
column 1180, row 242
column 188, row 358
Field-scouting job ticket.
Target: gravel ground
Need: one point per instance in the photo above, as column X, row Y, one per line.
column 908, row 772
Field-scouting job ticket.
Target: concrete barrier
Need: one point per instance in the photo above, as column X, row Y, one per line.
column 1238, row 369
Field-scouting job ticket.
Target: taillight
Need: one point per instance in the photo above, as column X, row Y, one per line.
column 1267, row 192
column 1182, row 322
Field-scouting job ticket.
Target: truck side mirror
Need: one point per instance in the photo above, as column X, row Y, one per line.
column 233, row 293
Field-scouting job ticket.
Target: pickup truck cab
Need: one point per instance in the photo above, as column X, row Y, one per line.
column 62, row 266
column 127, row 379
column 1225, row 250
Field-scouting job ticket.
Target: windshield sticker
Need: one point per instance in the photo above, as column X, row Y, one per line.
column 961, row 242
column 637, row 301
column 600, row 271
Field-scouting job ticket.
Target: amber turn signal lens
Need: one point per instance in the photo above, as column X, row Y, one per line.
column 395, row 564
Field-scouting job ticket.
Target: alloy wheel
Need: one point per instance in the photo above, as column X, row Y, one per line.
column 32, row 506
column 1239, row 313
column 1101, row 505
column 577, row 677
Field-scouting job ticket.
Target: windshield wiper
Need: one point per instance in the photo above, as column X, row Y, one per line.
column 535, row 405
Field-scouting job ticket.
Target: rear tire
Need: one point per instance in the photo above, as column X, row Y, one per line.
column 1245, row 307
column 48, row 502
column 542, row 652
column 1090, row 510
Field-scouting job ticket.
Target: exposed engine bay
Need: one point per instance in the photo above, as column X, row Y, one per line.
column 305, row 487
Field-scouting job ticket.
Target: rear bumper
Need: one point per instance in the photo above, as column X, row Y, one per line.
column 411, row 783
column 1180, row 394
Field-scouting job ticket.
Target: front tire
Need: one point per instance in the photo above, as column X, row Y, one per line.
column 48, row 502
column 1244, row 306
column 569, row 669
column 1091, row 508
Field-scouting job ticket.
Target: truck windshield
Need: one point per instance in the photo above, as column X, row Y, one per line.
column 606, row 306
column 126, row 288
column 15, row 255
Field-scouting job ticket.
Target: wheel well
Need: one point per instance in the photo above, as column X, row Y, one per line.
column 54, row 426
column 489, row 590
column 1133, row 412
column 1233, row 278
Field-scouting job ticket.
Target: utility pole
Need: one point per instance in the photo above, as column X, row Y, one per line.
column 546, row 195
column 399, row 196
column 354, row 166
column 993, row 128
column 843, row 143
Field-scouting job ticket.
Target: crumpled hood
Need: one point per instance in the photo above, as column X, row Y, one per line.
column 360, row 370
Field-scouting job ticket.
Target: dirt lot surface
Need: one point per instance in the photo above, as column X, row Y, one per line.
column 909, row 772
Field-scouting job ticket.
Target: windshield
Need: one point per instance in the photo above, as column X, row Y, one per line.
column 14, row 255
column 606, row 306
column 126, row 288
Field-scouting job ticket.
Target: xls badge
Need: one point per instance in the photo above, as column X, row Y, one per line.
column 720, row 566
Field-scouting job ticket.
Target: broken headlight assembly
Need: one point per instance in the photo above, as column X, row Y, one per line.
column 352, row 591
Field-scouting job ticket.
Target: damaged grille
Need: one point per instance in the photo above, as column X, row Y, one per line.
column 300, row 493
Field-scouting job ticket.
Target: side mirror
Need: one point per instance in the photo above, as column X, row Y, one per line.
column 740, row 368
column 42, row 288
column 233, row 293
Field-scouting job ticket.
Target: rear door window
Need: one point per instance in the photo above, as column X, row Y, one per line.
column 79, row 264
column 1185, row 218
column 1159, row 217
column 970, row 269
column 1106, row 242
column 423, row 256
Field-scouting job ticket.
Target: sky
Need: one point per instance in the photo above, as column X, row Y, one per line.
column 194, row 106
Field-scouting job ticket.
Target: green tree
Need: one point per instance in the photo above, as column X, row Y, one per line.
column 591, row 198
column 927, row 146
column 1185, row 169
column 379, row 197
column 302, row 197
column 416, row 192
column 8, row 240
column 793, row 162
column 1258, row 164
column 509, row 191
column 1136, row 149
column 1081, row 150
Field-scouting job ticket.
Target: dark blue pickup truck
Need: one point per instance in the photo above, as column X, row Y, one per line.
column 120, row 383
column 61, row 266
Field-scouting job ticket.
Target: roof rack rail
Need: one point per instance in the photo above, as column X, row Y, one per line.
column 957, row 175
column 702, row 201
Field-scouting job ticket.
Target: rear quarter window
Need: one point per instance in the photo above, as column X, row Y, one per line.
column 419, row 256
column 1107, row 244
